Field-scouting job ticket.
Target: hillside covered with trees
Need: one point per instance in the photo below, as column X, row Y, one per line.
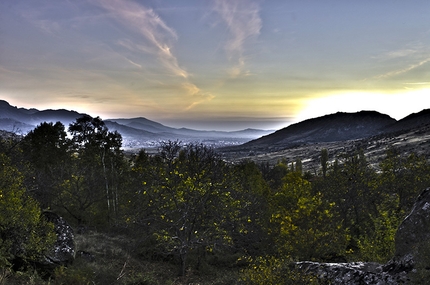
column 186, row 208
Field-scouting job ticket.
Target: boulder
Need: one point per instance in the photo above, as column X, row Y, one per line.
column 63, row 252
column 415, row 228
column 353, row 273
column 412, row 232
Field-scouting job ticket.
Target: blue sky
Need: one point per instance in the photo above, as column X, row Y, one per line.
column 216, row 64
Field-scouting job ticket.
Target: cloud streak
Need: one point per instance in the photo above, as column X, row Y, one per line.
column 403, row 70
column 411, row 57
column 243, row 22
column 159, row 39
column 149, row 25
column 198, row 96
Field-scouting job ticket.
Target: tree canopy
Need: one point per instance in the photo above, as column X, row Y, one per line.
column 187, row 205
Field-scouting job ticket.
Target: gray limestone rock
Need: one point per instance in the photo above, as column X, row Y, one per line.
column 352, row 273
column 63, row 252
column 415, row 228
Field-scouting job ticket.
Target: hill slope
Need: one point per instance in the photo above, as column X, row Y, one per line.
column 414, row 120
column 24, row 120
column 408, row 135
column 329, row 128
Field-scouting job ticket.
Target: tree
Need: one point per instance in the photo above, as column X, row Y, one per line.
column 324, row 161
column 377, row 242
column 46, row 149
column 92, row 189
column 250, row 227
column 399, row 182
column 305, row 225
column 299, row 166
column 274, row 175
column 88, row 133
column 24, row 234
column 350, row 184
column 187, row 199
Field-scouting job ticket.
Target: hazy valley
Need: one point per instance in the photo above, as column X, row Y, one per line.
column 136, row 132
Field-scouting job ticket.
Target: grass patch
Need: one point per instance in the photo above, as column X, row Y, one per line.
column 113, row 259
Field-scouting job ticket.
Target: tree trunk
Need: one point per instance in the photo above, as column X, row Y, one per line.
column 183, row 262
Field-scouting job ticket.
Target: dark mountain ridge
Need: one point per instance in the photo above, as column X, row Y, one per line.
column 414, row 120
column 136, row 132
column 334, row 127
column 157, row 128
column 142, row 123
column 27, row 119
column 410, row 135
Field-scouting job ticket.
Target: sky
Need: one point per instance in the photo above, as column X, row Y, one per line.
column 216, row 64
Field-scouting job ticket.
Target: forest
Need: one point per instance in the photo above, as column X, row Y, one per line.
column 187, row 208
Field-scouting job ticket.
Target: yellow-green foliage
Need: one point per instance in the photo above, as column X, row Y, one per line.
column 378, row 245
column 274, row 271
column 23, row 233
column 307, row 226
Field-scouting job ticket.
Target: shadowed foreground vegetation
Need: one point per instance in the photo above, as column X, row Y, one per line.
column 185, row 216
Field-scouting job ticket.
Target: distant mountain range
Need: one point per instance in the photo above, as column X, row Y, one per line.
column 136, row 132
column 141, row 132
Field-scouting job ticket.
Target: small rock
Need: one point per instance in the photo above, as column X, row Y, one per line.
column 87, row 256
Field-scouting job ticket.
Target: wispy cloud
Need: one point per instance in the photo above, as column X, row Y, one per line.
column 149, row 25
column 418, row 83
column 400, row 53
column 198, row 96
column 35, row 17
column 47, row 26
column 243, row 21
column 409, row 58
column 408, row 51
column 403, row 70
column 4, row 71
column 157, row 39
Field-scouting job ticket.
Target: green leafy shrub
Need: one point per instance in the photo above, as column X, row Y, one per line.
column 275, row 271
column 24, row 234
column 378, row 244
column 29, row 277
